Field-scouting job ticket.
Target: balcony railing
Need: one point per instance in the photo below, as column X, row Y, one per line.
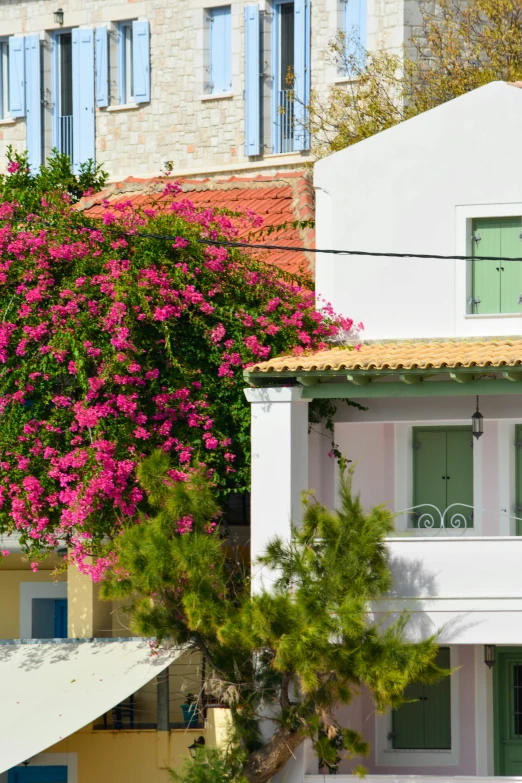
column 285, row 121
column 66, row 135
column 457, row 516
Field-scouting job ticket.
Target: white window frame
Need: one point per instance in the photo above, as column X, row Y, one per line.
column 4, row 79
column 387, row 756
column 30, row 590
column 125, row 64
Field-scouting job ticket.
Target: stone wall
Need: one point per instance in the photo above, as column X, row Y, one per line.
column 199, row 133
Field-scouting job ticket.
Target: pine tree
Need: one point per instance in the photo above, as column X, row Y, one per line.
column 301, row 650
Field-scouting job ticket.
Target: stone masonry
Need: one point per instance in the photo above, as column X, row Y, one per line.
column 199, row 133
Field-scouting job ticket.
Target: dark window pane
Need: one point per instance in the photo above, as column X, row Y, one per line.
column 287, row 45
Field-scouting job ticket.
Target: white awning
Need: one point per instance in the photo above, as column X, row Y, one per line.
column 49, row 690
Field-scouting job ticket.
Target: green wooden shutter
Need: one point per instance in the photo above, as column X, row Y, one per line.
column 486, row 274
column 408, row 720
column 510, row 273
column 437, row 708
column 518, row 477
column 424, row 721
column 459, row 485
column 429, row 470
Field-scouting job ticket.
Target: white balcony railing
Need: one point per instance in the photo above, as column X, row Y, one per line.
column 66, row 135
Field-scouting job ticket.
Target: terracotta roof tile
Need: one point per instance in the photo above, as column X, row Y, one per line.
column 278, row 198
column 403, row 356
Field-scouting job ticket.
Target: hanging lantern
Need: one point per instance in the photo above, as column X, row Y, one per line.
column 490, row 655
column 477, row 421
column 58, row 16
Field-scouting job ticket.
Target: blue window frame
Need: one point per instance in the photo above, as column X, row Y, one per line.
column 36, row 774
column 220, row 23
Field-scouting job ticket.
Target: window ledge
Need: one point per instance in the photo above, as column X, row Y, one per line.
column 8, row 121
column 475, row 316
column 345, row 80
column 419, row 751
column 221, row 96
column 123, row 107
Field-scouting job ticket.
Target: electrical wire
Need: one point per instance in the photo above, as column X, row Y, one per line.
column 264, row 246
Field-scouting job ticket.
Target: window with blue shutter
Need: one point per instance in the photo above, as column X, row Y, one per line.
column 141, row 61
column 49, row 618
column 283, row 68
column 83, row 96
column 252, row 81
column 133, row 62
column 220, row 22
column 33, row 101
column 102, row 67
column 4, row 79
column 16, row 76
column 355, row 31
column 62, row 92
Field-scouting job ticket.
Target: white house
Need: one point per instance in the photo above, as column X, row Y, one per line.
column 440, row 342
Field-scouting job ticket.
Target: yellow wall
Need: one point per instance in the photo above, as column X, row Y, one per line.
column 13, row 571
column 144, row 756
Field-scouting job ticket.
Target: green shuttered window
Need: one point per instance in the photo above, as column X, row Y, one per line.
column 442, row 477
column 496, row 285
column 424, row 721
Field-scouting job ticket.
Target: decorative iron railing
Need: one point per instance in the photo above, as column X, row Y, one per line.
column 66, row 135
column 457, row 516
column 285, row 121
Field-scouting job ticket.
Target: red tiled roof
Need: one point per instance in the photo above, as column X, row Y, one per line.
column 278, row 198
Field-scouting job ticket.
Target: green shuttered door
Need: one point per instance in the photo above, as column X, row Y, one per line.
column 498, row 284
column 424, row 722
column 443, row 476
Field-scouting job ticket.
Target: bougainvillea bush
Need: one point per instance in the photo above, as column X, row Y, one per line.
column 114, row 344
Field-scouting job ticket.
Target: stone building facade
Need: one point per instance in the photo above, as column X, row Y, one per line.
column 180, row 121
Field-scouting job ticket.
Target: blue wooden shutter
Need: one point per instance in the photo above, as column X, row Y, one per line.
column 102, row 66
column 141, row 61
column 355, row 15
column 220, row 49
column 252, row 81
column 16, row 76
column 33, row 104
column 83, row 96
column 301, row 73
column 60, row 618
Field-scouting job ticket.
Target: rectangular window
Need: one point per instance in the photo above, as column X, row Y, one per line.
column 442, row 477
column 284, row 72
column 496, row 286
column 125, row 60
column 424, row 720
column 4, row 80
column 220, row 29
column 64, row 93
column 49, row 618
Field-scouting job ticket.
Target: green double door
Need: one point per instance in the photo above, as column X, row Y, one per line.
column 507, row 679
column 497, row 285
column 443, row 477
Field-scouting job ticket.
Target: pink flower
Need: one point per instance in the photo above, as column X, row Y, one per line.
column 184, row 525
column 13, row 167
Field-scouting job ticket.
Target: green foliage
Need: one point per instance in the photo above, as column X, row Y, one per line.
column 457, row 46
column 212, row 765
column 54, row 175
column 302, row 649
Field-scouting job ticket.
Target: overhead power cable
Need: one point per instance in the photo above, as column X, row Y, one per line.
column 299, row 249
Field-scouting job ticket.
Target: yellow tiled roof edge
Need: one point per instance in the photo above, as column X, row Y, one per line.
column 402, row 355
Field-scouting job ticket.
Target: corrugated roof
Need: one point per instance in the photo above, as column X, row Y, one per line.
column 277, row 199
column 402, row 356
